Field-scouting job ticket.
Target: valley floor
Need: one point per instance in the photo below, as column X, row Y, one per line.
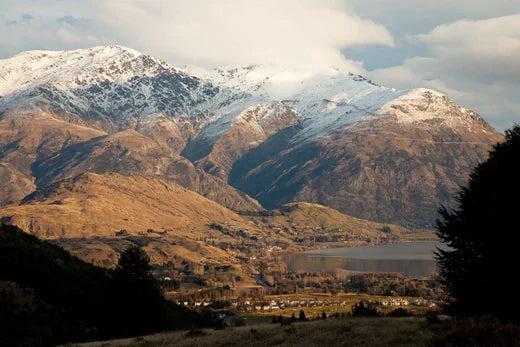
column 381, row 331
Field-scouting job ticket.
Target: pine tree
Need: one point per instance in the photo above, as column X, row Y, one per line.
column 483, row 234
column 139, row 305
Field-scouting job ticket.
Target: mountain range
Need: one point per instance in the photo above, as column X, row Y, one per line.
column 211, row 143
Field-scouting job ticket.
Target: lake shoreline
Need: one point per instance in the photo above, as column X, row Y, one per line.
column 414, row 258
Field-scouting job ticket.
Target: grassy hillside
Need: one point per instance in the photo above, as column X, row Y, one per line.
column 102, row 204
column 307, row 219
column 331, row 332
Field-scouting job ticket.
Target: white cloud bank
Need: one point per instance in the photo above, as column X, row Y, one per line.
column 477, row 63
column 200, row 32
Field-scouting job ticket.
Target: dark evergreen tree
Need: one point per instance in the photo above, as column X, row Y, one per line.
column 139, row 303
column 302, row 317
column 478, row 271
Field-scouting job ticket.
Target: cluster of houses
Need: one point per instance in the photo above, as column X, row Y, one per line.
column 266, row 306
column 405, row 302
column 195, row 304
column 281, row 304
column 273, row 305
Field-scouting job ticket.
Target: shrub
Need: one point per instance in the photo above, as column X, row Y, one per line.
column 216, row 226
column 364, row 309
column 122, row 232
column 386, row 229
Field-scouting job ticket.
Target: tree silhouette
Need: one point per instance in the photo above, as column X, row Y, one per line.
column 483, row 234
column 302, row 317
column 139, row 304
column 363, row 309
column 134, row 267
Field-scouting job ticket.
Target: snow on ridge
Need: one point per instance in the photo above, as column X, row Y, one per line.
column 324, row 99
column 329, row 99
column 225, row 117
column 115, row 82
column 271, row 81
column 422, row 104
column 112, row 83
column 75, row 68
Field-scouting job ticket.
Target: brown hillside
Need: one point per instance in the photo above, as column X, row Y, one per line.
column 308, row 218
column 26, row 139
column 102, row 204
column 84, row 214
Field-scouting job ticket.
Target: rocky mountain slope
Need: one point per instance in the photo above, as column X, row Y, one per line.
column 235, row 134
column 138, row 112
column 366, row 150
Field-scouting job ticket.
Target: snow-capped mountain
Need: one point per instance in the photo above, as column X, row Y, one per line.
column 105, row 85
column 329, row 99
column 343, row 147
column 279, row 134
column 114, row 87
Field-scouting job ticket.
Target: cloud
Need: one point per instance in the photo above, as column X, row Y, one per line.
column 475, row 62
column 198, row 32
column 73, row 21
column 24, row 19
column 54, row 25
column 289, row 32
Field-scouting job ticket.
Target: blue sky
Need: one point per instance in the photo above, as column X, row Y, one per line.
column 469, row 50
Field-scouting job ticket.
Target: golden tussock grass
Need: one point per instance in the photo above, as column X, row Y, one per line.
column 411, row 331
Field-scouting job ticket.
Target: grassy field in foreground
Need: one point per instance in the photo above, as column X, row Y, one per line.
column 411, row 331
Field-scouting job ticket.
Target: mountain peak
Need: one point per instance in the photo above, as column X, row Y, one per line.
column 422, row 105
column 116, row 83
column 105, row 84
column 83, row 66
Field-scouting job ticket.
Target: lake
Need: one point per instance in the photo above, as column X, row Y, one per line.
column 408, row 258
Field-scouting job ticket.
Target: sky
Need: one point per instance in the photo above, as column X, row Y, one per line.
column 469, row 50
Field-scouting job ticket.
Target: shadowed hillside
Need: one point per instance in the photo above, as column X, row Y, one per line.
column 48, row 296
